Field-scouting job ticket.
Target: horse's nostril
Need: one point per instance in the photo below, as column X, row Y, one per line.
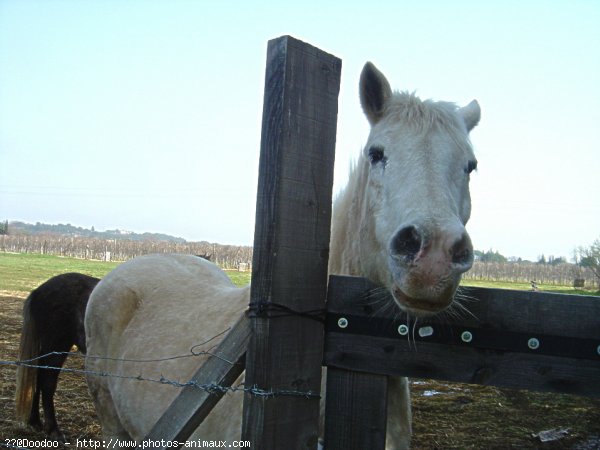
column 462, row 251
column 407, row 243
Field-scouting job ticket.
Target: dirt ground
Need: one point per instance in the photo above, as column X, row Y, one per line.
column 445, row 415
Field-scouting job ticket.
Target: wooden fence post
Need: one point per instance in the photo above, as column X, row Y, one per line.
column 356, row 410
column 291, row 245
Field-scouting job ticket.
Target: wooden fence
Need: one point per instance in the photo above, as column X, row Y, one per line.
column 518, row 339
column 510, row 338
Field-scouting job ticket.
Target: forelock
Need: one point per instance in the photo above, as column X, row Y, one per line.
column 423, row 116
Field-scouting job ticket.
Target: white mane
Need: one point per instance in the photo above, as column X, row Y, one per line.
column 424, row 116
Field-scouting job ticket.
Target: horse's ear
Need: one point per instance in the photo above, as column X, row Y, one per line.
column 471, row 114
column 374, row 92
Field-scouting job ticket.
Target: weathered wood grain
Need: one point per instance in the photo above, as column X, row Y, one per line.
column 356, row 410
column 501, row 323
column 291, row 243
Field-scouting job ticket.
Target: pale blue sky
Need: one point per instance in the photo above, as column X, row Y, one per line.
column 145, row 115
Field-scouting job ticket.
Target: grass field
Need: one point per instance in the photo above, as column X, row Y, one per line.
column 527, row 287
column 445, row 415
column 23, row 272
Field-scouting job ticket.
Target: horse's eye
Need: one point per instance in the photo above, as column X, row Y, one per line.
column 471, row 166
column 377, row 154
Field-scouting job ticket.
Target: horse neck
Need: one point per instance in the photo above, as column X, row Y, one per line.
column 344, row 250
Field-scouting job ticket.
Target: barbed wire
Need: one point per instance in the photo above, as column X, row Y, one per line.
column 273, row 310
column 211, row 388
column 25, row 362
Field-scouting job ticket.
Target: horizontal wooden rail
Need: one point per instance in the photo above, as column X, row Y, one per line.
column 520, row 339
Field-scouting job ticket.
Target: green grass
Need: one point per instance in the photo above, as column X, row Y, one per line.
column 24, row 272
column 239, row 278
column 527, row 287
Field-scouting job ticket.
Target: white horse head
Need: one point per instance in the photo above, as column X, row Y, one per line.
column 401, row 220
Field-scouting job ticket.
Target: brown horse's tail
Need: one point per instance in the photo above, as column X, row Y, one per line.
column 26, row 376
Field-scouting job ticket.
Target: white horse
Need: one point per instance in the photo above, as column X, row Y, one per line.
column 400, row 222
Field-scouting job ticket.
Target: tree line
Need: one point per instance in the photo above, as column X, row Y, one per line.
column 563, row 274
column 240, row 257
column 116, row 245
column 61, row 229
column 585, row 272
column 225, row 256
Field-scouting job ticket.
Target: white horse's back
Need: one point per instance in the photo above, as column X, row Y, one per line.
column 151, row 308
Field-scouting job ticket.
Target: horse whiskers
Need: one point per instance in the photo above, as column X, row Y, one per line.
column 379, row 299
column 459, row 299
column 463, row 308
column 385, row 306
column 460, row 293
column 414, row 327
column 377, row 294
column 457, row 311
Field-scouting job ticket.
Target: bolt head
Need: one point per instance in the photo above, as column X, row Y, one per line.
column 466, row 336
column 426, row 331
column 533, row 344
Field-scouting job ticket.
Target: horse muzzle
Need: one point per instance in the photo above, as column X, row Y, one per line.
column 426, row 266
column 424, row 305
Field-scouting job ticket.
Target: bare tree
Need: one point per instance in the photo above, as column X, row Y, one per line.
column 590, row 257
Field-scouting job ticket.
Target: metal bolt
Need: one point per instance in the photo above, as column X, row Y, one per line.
column 466, row 336
column 533, row 344
column 425, row 331
column 342, row 322
column 403, row 330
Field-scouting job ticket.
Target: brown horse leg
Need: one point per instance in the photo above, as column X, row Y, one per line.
column 34, row 416
column 47, row 381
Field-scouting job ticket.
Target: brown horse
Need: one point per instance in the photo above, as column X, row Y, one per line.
column 53, row 317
